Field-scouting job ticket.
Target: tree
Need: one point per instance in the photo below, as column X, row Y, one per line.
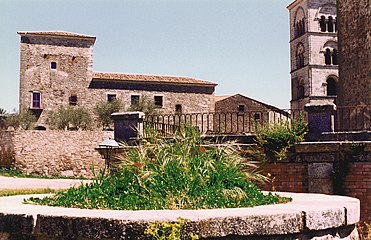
column 2, row 111
column 70, row 118
column 104, row 110
column 24, row 120
column 2, row 118
column 143, row 105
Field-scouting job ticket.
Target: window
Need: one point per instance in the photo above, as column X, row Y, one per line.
column 328, row 56
column 322, row 23
column 53, row 65
column 334, row 57
column 73, row 100
column 111, row 97
column 331, row 57
column 158, row 101
column 300, row 91
column 134, row 99
column 241, row 108
column 178, row 109
column 331, row 87
column 36, row 99
column 257, row 116
column 328, row 24
column 300, row 56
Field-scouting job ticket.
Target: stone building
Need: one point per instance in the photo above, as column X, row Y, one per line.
column 313, row 51
column 238, row 113
column 354, row 99
column 56, row 69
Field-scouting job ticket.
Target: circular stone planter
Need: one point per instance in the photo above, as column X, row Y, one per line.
column 308, row 216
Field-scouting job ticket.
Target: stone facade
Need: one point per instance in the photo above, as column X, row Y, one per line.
column 355, row 64
column 62, row 153
column 312, row 77
column 238, row 113
column 57, row 70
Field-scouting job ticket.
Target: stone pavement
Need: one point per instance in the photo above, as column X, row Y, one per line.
column 34, row 183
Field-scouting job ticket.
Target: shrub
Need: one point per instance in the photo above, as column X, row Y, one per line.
column 24, row 120
column 176, row 173
column 275, row 140
column 70, row 118
column 104, row 110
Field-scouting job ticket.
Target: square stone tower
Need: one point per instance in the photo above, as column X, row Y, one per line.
column 55, row 70
column 354, row 100
column 313, row 52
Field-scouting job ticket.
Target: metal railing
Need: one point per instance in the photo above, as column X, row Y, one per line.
column 354, row 118
column 217, row 122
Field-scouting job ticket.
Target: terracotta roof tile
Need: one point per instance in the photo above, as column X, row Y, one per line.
column 56, row 33
column 150, row 78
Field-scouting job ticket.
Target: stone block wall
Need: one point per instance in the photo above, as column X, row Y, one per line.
column 340, row 168
column 66, row 153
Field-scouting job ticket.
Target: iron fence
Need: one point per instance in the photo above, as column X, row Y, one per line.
column 218, row 122
column 354, row 118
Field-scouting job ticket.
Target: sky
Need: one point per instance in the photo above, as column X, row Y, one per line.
column 242, row 45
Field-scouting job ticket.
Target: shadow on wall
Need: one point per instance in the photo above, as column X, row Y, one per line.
column 7, row 156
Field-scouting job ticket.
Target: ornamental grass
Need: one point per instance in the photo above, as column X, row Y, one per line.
column 181, row 172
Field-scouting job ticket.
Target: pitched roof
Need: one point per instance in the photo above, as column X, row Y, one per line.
column 57, row 34
column 143, row 78
column 219, row 98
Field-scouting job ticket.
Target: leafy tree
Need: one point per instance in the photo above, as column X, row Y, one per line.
column 143, row 105
column 2, row 118
column 2, row 111
column 24, row 120
column 104, row 110
column 70, row 118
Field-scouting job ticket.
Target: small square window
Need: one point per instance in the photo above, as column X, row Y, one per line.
column 73, row 100
column 178, row 108
column 134, row 99
column 36, row 97
column 257, row 116
column 158, row 101
column 241, row 108
column 111, row 97
column 53, row 65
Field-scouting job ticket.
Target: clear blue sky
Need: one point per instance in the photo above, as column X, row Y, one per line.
column 243, row 45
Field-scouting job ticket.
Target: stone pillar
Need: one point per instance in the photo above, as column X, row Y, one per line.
column 320, row 178
column 321, row 118
column 128, row 126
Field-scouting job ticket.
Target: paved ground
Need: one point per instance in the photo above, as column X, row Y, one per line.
column 17, row 183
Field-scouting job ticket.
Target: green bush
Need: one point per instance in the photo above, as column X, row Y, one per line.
column 24, row 120
column 70, row 118
column 104, row 110
column 177, row 173
column 275, row 140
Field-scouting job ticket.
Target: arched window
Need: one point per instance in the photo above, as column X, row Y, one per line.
column 322, row 23
column 300, row 56
column 330, row 24
column 335, row 57
column 331, row 87
column 300, row 91
column 328, row 56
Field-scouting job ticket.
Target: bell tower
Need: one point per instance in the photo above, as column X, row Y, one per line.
column 313, row 52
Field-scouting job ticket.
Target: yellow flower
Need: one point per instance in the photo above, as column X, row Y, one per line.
column 207, row 177
column 100, row 197
column 117, row 199
column 269, row 175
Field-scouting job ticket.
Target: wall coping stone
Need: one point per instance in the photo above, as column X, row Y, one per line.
column 307, row 212
column 330, row 146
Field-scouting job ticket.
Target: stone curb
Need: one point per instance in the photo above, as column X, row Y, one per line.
column 307, row 212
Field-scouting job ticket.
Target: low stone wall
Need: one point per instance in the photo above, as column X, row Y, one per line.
column 308, row 216
column 65, row 153
column 342, row 168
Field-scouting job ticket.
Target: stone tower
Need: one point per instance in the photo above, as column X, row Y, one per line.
column 55, row 70
column 354, row 100
column 314, row 52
